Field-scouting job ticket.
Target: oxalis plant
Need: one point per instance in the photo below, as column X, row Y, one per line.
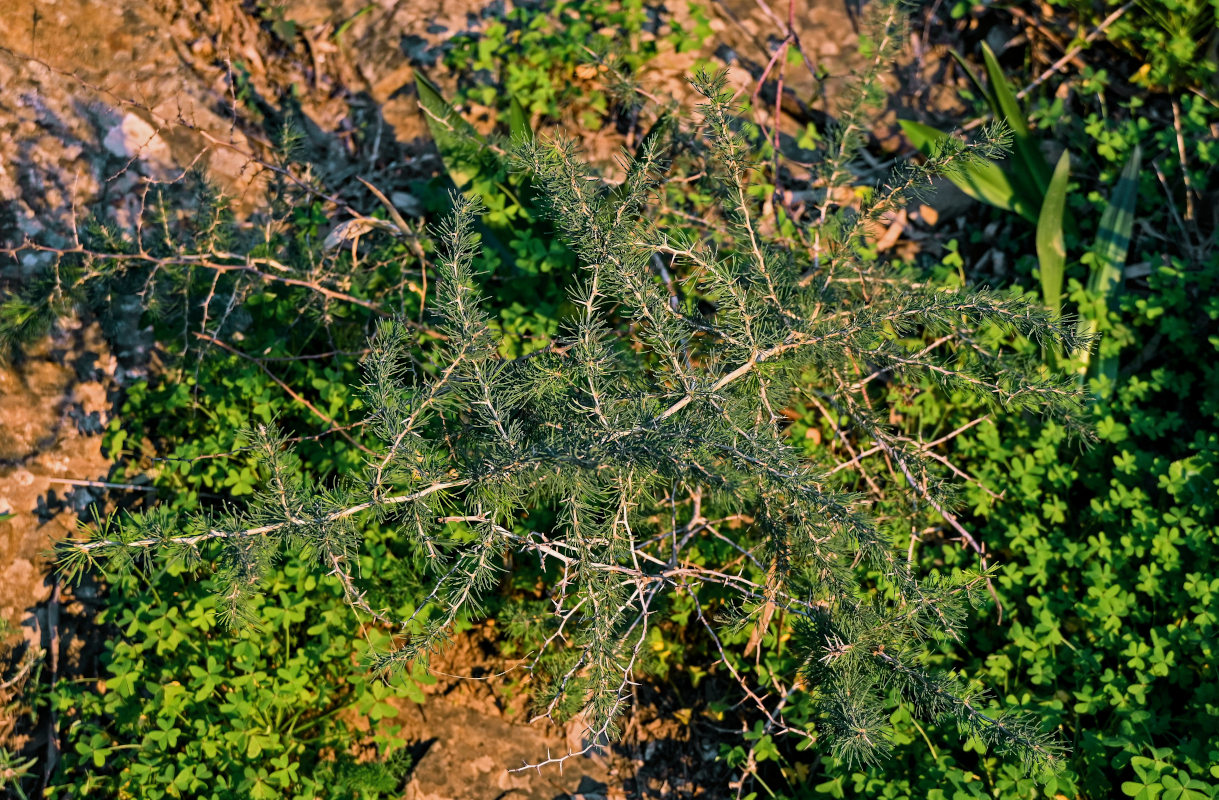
column 650, row 427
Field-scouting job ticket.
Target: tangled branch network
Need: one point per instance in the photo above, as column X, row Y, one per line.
column 651, row 439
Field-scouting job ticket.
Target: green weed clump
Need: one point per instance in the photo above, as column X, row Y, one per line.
column 1175, row 42
column 643, row 418
column 1107, row 553
column 180, row 708
column 567, row 63
column 181, row 711
column 614, row 455
column 264, row 326
column 1106, row 581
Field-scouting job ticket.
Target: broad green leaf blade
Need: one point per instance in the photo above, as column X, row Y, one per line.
column 518, row 121
column 973, row 77
column 1116, row 228
column 454, row 136
column 1006, row 105
column 459, row 145
column 1008, row 108
column 984, row 181
column 1051, row 246
column 1110, row 251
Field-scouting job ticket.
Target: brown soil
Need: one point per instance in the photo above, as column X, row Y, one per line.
column 53, row 405
column 473, row 732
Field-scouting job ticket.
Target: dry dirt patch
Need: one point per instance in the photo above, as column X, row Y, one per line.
column 54, row 403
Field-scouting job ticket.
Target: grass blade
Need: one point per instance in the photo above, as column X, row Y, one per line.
column 454, row 136
column 518, row 121
column 1051, row 246
column 1116, row 228
column 1109, row 256
column 1008, row 108
column 984, row 180
column 973, row 77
